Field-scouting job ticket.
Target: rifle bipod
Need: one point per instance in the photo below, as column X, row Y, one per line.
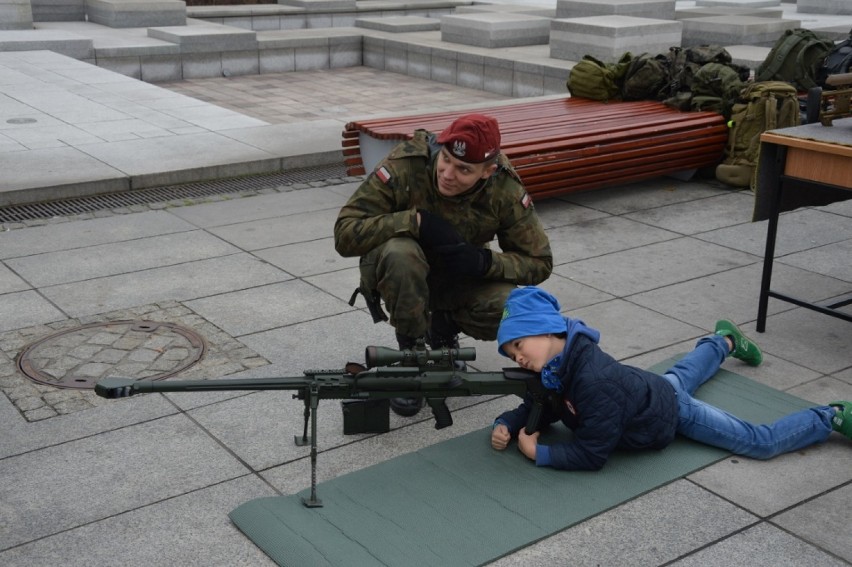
column 311, row 406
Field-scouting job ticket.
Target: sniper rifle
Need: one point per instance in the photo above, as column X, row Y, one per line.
column 433, row 375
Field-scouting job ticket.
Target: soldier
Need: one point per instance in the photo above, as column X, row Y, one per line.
column 422, row 223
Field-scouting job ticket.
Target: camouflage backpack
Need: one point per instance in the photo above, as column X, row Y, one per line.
column 762, row 106
column 645, row 76
column 684, row 63
column 795, row 58
column 594, row 79
column 716, row 87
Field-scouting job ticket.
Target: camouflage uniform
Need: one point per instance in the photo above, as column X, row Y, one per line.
column 379, row 224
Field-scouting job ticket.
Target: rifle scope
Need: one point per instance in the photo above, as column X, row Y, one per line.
column 384, row 356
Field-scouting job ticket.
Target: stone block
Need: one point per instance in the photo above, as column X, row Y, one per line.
column 750, row 56
column 66, row 43
column 710, row 12
column 541, row 11
column 837, row 7
column 206, row 38
column 738, row 3
column 399, row 24
column 657, row 9
column 320, row 5
column 495, row 29
column 734, row 30
column 59, row 10
column 608, row 37
column 16, row 15
column 136, row 13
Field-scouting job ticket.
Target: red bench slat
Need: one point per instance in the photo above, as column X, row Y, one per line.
column 571, row 144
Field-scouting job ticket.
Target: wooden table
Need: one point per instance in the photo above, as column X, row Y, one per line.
column 801, row 166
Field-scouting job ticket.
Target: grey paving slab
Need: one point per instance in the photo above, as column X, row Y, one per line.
column 761, row 546
column 300, row 144
column 191, row 529
column 267, row 307
column 832, row 260
column 573, row 294
column 773, row 371
column 646, row 195
column 90, row 232
column 65, row 486
column 556, row 212
column 24, row 308
column 828, row 355
column 329, row 342
column 653, row 266
column 21, row 436
column 845, row 375
column 767, row 487
column 74, row 171
column 601, row 236
column 269, row 232
column 68, row 266
column 339, row 283
column 308, row 258
column 734, row 294
column 712, row 213
column 261, row 207
column 180, row 283
column 47, row 135
column 165, row 161
column 10, row 282
column 823, row 390
column 622, row 340
column 650, row 530
column 797, row 231
column 822, row 521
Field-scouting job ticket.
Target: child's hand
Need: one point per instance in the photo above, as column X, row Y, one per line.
column 500, row 437
column 527, row 443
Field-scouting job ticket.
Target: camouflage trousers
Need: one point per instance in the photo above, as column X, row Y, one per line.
column 411, row 290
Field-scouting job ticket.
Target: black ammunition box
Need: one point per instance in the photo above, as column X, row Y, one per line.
column 365, row 416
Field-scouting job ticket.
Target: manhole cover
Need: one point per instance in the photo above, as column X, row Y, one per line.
column 79, row 357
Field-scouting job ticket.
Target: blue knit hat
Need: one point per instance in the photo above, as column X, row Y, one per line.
column 529, row 311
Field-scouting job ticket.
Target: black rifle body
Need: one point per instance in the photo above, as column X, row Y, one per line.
column 431, row 375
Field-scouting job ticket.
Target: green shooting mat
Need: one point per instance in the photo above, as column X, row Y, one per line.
column 459, row 502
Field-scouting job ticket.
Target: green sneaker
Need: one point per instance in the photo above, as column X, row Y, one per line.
column 744, row 348
column 842, row 420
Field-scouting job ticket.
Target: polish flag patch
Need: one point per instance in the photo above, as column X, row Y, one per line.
column 526, row 201
column 383, row 174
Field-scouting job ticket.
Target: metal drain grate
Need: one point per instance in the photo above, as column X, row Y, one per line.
column 77, row 205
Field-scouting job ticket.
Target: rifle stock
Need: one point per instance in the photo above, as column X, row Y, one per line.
column 389, row 373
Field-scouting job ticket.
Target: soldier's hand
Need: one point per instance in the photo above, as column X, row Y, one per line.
column 436, row 232
column 466, row 259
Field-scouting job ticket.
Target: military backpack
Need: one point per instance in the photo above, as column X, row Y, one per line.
column 762, row 106
column 795, row 58
column 596, row 80
column 645, row 77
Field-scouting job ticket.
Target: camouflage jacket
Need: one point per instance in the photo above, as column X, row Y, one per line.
column 386, row 203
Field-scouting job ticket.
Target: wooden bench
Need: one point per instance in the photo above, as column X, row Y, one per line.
column 564, row 145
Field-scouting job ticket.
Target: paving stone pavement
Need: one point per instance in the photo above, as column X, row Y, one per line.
column 150, row 480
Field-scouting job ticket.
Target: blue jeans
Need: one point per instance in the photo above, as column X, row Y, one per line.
column 710, row 425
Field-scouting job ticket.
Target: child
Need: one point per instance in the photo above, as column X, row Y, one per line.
column 610, row 405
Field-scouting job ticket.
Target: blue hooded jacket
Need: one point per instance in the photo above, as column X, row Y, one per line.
column 608, row 405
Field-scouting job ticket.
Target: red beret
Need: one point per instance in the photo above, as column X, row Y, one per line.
column 473, row 138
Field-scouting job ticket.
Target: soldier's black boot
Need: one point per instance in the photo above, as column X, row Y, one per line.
column 406, row 407
column 444, row 333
